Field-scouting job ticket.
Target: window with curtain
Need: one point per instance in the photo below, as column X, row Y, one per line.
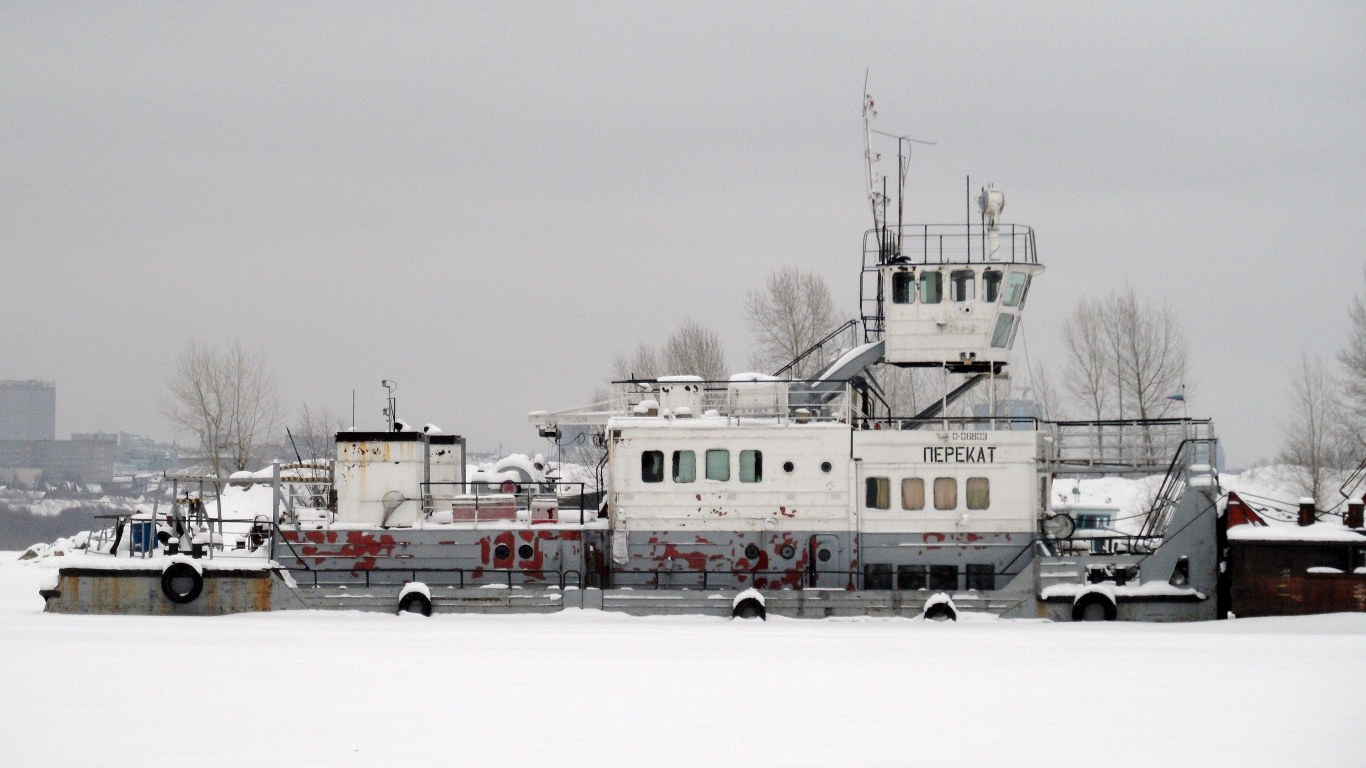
column 751, row 466
column 945, row 493
column 978, row 493
column 718, row 465
column 913, row 493
column 685, row 466
column 877, row 493
column 652, row 466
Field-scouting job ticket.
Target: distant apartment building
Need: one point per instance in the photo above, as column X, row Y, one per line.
column 28, row 410
column 77, row 461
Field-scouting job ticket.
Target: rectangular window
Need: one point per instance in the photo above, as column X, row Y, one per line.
column 652, row 466
column 912, row 577
column 944, row 577
column 903, row 287
column 931, row 287
column 718, row 465
column 751, row 466
column 685, row 466
column 877, row 493
column 945, row 493
column 979, row 493
column 962, row 285
column 991, row 285
column 1005, row 323
column 981, row 576
column 877, row 576
column 1016, row 286
column 913, row 493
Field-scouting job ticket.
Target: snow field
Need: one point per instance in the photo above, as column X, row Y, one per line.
column 585, row 688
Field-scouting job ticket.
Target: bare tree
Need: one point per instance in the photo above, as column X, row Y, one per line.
column 1046, row 394
column 315, row 433
column 1353, row 359
column 227, row 401
column 1150, row 354
column 693, row 349
column 1312, row 437
column 1090, row 357
column 908, row 390
column 643, row 363
column 788, row 315
column 1125, row 358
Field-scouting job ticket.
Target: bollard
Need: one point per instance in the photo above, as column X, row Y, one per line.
column 1306, row 511
column 1355, row 513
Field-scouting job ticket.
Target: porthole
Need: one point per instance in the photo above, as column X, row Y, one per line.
column 752, row 552
column 826, row 466
column 502, row 552
column 823, row 555
column 788, row 466
column 525, row 551
column 787, row 551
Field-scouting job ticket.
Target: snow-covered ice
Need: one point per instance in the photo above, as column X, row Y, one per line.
column 586, row 688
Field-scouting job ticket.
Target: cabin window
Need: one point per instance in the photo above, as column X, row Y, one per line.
column 944, row 577
column 913, row 493
column 1005, row 323
column 877, row 493
column 931, row 287
column 903, row 287
column 912, row 577
column 991, row 285
column 877, row 576
column 962, row 285
column 751, row 466
column 1016, row 286
column 685, row 466
column 978, row 492
column 652, row 466
column 718, row 465
column 981, row 576
column 945, row 493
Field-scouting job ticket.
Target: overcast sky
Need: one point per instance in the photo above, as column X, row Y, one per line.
column 487, row 203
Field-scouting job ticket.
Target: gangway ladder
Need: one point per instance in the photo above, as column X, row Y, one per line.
column 1173, row 487
column 1354, row 481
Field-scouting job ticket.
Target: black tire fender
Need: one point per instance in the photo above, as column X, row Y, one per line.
column 173, row 579
column 1093, row 600
column 415, row 602
column 941, row 612
column 749, row 608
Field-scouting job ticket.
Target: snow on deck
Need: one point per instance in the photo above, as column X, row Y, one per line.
column 585, row 688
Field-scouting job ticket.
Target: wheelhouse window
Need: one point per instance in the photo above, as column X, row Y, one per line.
column 751, row 466
column 718, row 465
column 1005, row 327
column 685, row 466
column 1017, row 284
column 962, row 285
column 877, row 493
column 978, row 493
column 931, row 287
column 903, row 287
column 945, row 493
column 913, row 493
column 652, row 466
column 991, row 285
